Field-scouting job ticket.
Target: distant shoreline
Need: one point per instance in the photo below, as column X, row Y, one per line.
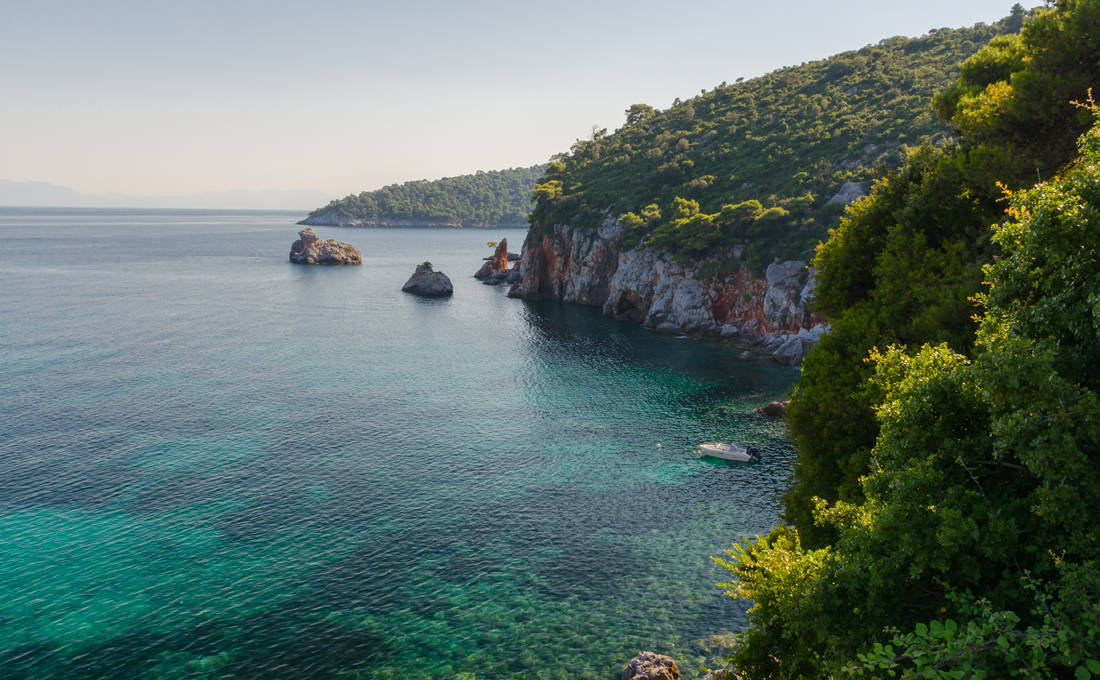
column 92, row 208
column 426, row 225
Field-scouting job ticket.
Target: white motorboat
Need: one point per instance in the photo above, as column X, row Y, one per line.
column 729, row 452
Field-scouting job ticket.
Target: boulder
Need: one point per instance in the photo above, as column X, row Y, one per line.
column 428, row 282
column 651, row 666
column 784, row 273
column 849, row 192
column 776, row 409
column 790, row 350
column 310, row 249
column 497, row 263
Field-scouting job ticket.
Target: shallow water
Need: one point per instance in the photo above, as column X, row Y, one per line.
column 217, row 464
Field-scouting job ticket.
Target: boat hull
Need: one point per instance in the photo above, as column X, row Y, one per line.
column 727, row 452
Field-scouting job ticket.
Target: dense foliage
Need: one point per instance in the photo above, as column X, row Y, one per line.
column 947, row 486
column 484, row 199
column 786, row 141
column 904, row 264
column 975, row 552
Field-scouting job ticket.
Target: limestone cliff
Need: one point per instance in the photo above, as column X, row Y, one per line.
column 591, row 267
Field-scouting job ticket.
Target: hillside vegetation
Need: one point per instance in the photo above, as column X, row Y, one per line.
column 484, row 199
column 757, row 161
column 943, row 516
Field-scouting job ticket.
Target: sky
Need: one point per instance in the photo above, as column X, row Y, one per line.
column 172, row 98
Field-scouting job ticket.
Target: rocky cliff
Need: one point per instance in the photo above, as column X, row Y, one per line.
column 590, row 267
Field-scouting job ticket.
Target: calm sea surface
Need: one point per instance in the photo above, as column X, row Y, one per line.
column 218, row 464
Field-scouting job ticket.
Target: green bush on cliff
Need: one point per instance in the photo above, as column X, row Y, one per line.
column 483, row 199
column 946, row 486
column 786, row 141
column 974, row 550
column 903, row 265
column 900, row 270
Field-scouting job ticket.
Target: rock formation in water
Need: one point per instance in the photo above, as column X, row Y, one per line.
column 496, row 264
column 590, row 267
column 495, row 271
column 310, row 249
column 651, row 666
column 428, row 282
column 775, row 409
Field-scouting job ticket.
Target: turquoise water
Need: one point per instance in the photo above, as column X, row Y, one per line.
column 217, row 464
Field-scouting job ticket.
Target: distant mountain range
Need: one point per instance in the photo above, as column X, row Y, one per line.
column 53, row 195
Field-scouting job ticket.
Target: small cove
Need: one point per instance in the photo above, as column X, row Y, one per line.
column 220, row 464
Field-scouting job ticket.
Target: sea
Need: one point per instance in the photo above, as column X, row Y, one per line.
column 218, row 464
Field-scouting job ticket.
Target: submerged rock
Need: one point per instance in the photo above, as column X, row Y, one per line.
column 428, row 282
column 651, row 666
column 310, row 249
column 776, row 409
column 496, row 264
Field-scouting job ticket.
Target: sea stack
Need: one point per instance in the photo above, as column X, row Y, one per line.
column 428, row 282
column 310, row 249
column 496, row 264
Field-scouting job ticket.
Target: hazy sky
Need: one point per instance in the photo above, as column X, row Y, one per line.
column 177, row 97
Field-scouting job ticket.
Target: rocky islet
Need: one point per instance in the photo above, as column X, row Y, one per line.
column 427, row 282
column 311, row 249
column 496, row 271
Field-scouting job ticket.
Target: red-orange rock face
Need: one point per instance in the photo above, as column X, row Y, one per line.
column 570, row 265
column 651, row 288
column 497, row 263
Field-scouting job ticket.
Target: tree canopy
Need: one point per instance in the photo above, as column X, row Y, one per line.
column 788, row 140
column 946, row 487
column 904, row 264
column 974, row 551
column 483, row 199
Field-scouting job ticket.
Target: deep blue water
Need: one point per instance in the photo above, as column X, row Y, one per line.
column 218, row 464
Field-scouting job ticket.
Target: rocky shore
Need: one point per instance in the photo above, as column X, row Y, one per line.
column 770, row 314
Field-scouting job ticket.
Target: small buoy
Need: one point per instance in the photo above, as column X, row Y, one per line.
column 658, row 447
